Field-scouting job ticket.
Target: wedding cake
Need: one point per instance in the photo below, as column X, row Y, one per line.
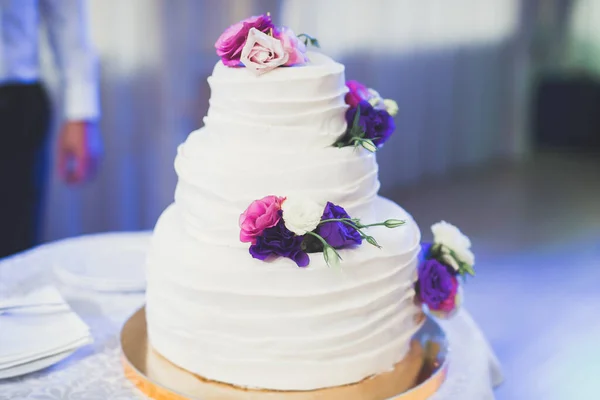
column 278, row 266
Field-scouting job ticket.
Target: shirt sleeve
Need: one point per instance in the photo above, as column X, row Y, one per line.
column 67, row 25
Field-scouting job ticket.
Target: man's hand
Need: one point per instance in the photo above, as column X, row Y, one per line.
column 79, row 151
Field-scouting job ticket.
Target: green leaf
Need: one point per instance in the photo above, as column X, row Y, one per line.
column 355, row 132
column 355, row 135
column 466, row 269
column 307, row 39
column 435, row 251
column 463, row 267
column 304, row 38
column 356, row 118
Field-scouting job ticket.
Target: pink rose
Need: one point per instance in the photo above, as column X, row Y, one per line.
column 230, row 44
column 357, row 93
column 262, row 52
column 260, row 215
column 295, row 48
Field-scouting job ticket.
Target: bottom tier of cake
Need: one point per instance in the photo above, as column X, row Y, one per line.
column 218, row 313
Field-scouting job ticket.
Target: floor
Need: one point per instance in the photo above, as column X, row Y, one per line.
column 535, row 229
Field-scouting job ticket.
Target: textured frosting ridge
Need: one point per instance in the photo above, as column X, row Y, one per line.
column 305, row 105
column 214, row 310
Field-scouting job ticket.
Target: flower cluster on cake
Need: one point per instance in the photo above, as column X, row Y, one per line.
column 257, row 44
column 292, row 228
column 442, row 263
column 279, row 266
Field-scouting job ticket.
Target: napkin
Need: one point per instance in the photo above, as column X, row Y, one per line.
column 30, row 334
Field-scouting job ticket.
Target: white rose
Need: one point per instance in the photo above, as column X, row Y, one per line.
column 301, row 215
column 262, row 52
column 450, row 236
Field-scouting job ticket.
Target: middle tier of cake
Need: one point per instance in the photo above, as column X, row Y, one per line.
column 215, row 187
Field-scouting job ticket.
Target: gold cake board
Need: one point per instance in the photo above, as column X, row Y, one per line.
column 418, row 376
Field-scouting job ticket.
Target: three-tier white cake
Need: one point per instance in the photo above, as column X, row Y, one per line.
column 217, row 312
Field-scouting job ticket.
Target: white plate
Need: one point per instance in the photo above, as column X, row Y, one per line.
column 119, row 266
column 34, row 366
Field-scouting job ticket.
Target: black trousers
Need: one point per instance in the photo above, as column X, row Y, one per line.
column 24, row 125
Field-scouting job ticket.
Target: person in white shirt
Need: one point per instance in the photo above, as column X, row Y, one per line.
column 25, row 111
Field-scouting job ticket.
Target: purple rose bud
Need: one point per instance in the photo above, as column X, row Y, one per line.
column 337, row 234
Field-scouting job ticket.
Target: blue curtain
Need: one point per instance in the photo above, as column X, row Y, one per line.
column 459, row 71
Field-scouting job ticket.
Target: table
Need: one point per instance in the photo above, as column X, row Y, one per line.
column 95, row 372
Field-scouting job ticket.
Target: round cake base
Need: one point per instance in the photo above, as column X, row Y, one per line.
column 416, row 377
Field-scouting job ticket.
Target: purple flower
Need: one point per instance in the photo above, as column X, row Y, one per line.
column 337, row 234
column 377, row 124
column 230, row 44
column 437, row 286
column 280, row 241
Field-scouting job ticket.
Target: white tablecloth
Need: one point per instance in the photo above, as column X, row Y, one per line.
column 95, row 373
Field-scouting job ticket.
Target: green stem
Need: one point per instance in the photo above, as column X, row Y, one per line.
column 318, row 237
column 357, row 140
column 375, row 224
column 358, row 229
column 351, row 223
column 379, row 224
column 325, row 244
column 338, row 220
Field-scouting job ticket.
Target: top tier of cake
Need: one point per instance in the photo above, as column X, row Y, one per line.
column 297, row 107
column 271, row 135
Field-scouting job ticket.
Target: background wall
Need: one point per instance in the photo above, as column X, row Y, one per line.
column 459, row 71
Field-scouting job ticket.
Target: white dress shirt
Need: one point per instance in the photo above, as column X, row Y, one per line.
column 66, row 24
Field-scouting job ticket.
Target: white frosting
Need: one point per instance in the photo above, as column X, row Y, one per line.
column 216, row 184
column 219, row 313
column 285, row 110
column 213, row 309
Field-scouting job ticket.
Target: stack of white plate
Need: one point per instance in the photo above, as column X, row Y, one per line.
column 37, row 329
column 118, row 267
